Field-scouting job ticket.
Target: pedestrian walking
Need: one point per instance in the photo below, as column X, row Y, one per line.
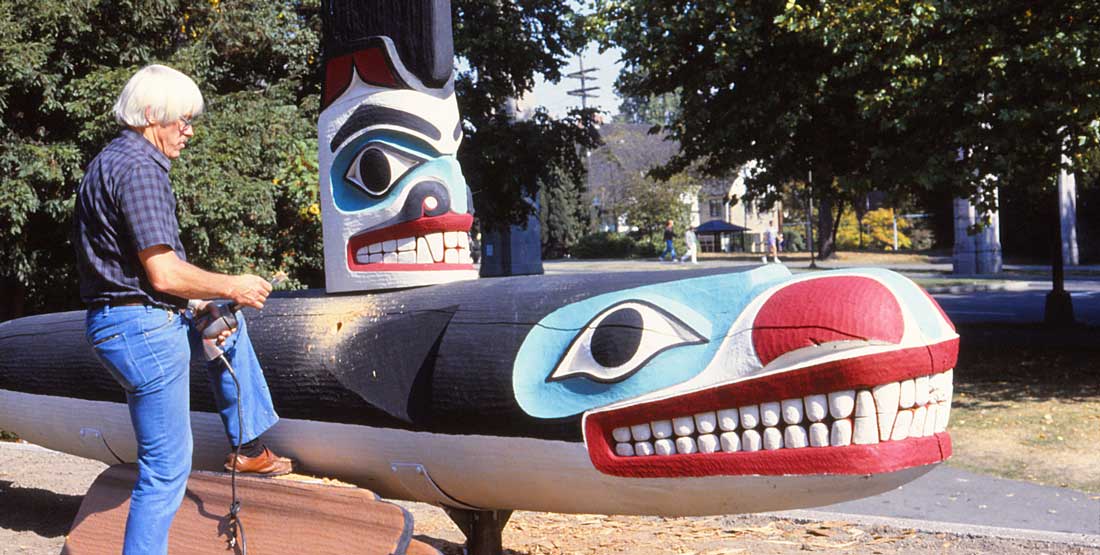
column 670, row 249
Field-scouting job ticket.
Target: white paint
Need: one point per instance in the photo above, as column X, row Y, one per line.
column 731, row 442
column 621, row 434
column 920, row 393
column 769, row 413
column 865, row 404
column 683, row 425
column 664, row 447
column 817, row 406
column 708, row 443
column 643, row 449
column 886, row 405
column 841, row 403
column 794, row 437
column 750, row 416
column 865, row 430
column 662, row 429
column 819, row 435
column 750, row 440
column 706, row 422
column 624, row 449
column 841, row 433
column 916, row 429
column 908, row 394
column 435, row 246
column 686, row 446
column 792, row 411
column 773, row 439
column 728, row 419
column 640, row 432
column 901, row 425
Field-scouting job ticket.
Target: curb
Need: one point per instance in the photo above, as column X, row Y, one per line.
column 975, row 288
column 958, row 529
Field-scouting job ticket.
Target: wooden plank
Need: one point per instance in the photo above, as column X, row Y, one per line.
column 279, row 516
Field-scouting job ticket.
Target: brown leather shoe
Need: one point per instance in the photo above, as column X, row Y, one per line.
column 266, row 464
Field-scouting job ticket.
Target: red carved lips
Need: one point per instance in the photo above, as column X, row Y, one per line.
column 426, row 244
column 773, row 425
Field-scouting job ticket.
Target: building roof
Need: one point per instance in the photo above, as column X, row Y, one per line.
column 719, row 226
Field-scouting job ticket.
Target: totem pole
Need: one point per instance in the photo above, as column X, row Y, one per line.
column 395, row 208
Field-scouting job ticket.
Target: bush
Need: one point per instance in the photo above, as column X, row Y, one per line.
column 604, row 244
column 794, row 239
column 8, row 436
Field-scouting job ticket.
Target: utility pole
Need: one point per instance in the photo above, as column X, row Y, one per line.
column 585, row 92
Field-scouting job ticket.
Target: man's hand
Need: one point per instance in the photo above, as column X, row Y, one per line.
column 250, row 290
column 198, row 308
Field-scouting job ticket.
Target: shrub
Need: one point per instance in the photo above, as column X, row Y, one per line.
column 604, row 244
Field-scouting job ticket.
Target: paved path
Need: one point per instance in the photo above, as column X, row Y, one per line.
column 951, row 496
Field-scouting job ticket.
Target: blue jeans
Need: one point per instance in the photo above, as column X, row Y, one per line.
column 669, row 250
column 148, row 351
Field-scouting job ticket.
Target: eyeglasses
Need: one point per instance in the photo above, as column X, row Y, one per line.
column 185, row 122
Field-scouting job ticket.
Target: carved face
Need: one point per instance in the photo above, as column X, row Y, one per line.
column 395, row 207
column 845, row 372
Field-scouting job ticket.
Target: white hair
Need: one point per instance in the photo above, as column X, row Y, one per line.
column 167, row 93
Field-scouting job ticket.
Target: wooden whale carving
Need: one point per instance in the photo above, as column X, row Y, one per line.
column 663, row 393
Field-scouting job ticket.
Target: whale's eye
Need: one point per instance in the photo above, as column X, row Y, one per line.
column 621, row 340
column 377, row 167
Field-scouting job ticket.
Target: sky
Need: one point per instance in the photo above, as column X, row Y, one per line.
column 554, row 97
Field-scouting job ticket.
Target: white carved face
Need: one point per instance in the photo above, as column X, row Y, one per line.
column 395, row 206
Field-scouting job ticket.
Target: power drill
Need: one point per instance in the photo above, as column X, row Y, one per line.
column 219, row 316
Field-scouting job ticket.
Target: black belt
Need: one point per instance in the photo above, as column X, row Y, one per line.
column 127, row 301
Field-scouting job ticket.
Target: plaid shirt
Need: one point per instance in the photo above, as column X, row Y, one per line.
column 124, row 205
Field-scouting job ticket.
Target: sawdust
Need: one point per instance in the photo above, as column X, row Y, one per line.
column 308, row 479
column 338, row 314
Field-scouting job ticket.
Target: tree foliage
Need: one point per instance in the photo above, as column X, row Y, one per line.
column 247, row 183
column 870, row 94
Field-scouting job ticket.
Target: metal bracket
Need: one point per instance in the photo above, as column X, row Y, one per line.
column 420, row 486
column 483, row 529
column 93, row 439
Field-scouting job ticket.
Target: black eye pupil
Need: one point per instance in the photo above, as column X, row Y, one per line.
column 617, row 337
column 374, row 171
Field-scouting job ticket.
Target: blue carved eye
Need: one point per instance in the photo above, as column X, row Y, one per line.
column 621, row 340
column 378, row 166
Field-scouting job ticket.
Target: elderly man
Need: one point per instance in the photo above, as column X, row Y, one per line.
column 135, row 281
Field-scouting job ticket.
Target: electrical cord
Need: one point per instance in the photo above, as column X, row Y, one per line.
column 236, row 526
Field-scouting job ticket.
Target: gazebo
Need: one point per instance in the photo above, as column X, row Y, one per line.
column 718, row 236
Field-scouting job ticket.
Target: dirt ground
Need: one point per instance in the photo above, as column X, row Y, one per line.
column 40, row 493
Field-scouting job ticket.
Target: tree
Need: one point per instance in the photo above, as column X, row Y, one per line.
column 867, row 94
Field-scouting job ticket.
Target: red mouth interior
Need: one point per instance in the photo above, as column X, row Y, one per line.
column 858, row 373
column 419, row 227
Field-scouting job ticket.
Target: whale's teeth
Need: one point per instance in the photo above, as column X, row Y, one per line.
column 886, row 406
column 708, row 443
column 792, row 411
column 769, row 413
column 731, row 442
column 817, row 406
column 389, row 246
column 908, row 394
column 683, row 425
column 662, row 429
column 621, row 434
column 901, row 425
column 435, row 245
column 794, row 437
column 920, row 393
column 643, row 449
column 819, row 434
column 389, row 258
column 841, row 433
column 640, row 432
column 841, row 403
column 624, row 449
column 916, row 429
column 750, row 416
column 423, row 253
column 865, row 430
column 930, row 420
column 865, row 403
column 773, row 439
column 464, row 241
column 686, row 446
column 450, row 239
column 664, row 447
column 728, row 419
column 750, row 440
column 706, row 422
column 406, row 257
column 375, row 248
column 406, row 244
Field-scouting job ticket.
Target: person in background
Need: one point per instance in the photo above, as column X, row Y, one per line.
column 136, row 282
column 771, row 240
column 690, row 245
column 670, row 249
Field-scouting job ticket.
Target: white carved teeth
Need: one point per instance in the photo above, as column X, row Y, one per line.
column 450, row 247
column 833, row 419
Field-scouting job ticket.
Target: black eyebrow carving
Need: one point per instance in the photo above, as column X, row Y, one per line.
column 365, row 116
